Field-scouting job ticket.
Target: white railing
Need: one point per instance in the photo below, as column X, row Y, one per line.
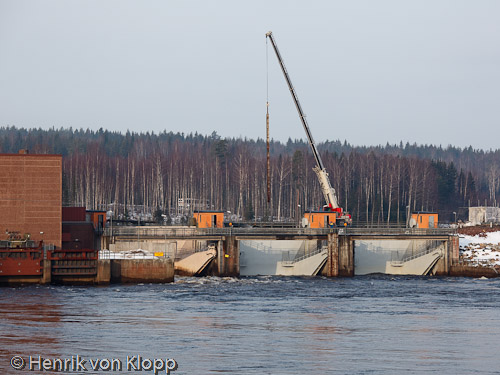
column 415, row 256
column 258, row 246
column 315, row 252
column 166, row 231
column 134, row 254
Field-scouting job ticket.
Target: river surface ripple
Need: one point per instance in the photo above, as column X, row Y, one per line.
column 264, row 325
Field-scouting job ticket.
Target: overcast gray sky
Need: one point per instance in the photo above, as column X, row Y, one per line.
column 369, row 72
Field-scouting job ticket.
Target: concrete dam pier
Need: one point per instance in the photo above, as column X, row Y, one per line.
column 332, row 252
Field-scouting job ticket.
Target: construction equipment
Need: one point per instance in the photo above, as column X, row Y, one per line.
column 342, row 218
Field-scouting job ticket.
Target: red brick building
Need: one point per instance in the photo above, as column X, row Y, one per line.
column 81, row 229
column 31, row 196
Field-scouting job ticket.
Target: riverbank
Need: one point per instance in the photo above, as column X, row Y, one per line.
column 479, row 252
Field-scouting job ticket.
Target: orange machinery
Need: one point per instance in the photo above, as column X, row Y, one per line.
column 424, row 220
column 209, row 219
column 321, row 219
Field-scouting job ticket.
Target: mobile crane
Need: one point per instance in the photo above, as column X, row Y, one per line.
column 342, row 218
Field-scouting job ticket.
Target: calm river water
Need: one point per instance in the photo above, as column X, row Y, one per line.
column 264, row 325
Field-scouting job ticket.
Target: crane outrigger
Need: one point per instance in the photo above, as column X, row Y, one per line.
column 342, row 218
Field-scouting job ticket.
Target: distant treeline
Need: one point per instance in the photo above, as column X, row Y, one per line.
column 164, row 172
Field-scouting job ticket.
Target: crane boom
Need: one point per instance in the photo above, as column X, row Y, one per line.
column 324, row 181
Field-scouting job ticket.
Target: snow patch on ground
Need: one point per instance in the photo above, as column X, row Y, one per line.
column 483, row 249
column 129, row 254
column 488, row 238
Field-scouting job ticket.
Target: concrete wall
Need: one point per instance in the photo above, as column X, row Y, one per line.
column 331, row 268
column 142, row 270
column 178, row 248
column 103, row 271
column 31, row 196
column 346, row 256
column 168, row 247
column 454, row 248
column 340, row 256
column 372, row 255
column 231, row 257
column 468, row 271
column 227, row 259
column 261, row 257
column 442, row 267
column 450, row 256
column 481, row 215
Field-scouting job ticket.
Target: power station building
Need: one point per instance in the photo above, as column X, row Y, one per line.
column 31, row 197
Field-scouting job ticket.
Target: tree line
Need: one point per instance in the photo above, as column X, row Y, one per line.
column 174, row 173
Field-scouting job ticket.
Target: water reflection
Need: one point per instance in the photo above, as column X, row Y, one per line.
column 30, row 324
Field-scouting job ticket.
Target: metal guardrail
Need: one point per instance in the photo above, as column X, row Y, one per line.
column 258, row 246
column 398, row 231
column 418, row 255
column 135, row 254
column 159, row 232
column 146, row 231
column 315, row 252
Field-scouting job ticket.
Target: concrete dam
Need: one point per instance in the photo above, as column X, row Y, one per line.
column 295, row 251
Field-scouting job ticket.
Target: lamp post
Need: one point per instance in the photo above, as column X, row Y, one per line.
column 298, row 216
column 111, row 221
column 138, row 230
column 43, row 246
column 454, row 213
column 111, row 225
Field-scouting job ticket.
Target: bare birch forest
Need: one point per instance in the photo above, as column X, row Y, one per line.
column 166, row 172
